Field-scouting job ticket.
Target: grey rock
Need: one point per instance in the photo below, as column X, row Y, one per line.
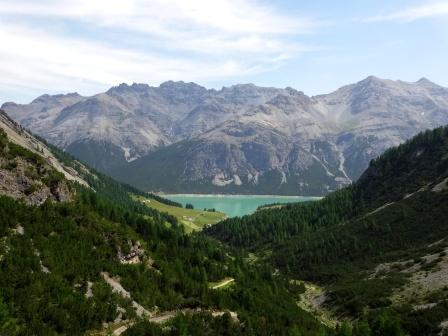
column 242, row 138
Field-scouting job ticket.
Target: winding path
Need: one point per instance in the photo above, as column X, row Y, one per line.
column 222, row 284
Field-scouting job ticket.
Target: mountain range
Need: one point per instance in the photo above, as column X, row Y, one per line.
column 241, row 139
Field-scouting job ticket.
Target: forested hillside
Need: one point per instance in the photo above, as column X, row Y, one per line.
column 98, row 261
column 101, row 261
column 371, row 243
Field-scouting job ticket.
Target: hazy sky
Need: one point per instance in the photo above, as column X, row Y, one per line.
column 49, row 46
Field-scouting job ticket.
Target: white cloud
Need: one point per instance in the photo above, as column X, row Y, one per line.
column 167, row 16
column 197, row 25
column 191, row 40
column 34, row 58
column 427, row 10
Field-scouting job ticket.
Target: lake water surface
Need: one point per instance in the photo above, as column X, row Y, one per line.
column 234, row 205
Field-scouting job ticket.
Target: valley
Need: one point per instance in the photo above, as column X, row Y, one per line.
column 191, row 219
column 100, row 261
column 223, row 168
column 374, row 250
column 364, row 260
column 235, row 205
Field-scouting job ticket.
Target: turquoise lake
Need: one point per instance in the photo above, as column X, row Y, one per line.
column 235, row 205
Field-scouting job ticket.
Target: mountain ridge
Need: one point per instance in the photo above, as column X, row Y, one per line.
column 340, row 132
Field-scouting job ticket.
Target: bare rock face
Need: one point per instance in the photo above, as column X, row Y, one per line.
column 133, row 256
column 180, row 136
column 28, row 170
column 20, row 180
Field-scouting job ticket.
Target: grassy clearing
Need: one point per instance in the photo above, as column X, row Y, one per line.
column 192, row 219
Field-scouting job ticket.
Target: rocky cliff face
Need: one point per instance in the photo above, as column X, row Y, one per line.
column 238, row 139
column 28, row 170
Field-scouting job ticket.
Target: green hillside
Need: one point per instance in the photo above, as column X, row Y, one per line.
column 103, row 261
column 371, row 259
column 375, row 246
column 191, row 219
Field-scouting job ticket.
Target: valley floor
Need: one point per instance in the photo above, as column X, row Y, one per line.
column 192, row 219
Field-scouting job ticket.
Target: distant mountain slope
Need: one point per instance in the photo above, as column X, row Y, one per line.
column 243, row 138
column 239, row 158
column 379, row 243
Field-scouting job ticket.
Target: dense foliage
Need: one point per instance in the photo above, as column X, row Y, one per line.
column 398, row 172
column 279, row 224
column 75, row 243
column 52, row 258
column 392, row 213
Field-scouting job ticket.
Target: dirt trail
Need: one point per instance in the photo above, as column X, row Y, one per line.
column 222, row 284
column 122, row 329
column 161, row 317
column 168, row 315
column 118, row 288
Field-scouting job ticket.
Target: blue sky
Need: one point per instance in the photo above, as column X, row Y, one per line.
column 51, row 46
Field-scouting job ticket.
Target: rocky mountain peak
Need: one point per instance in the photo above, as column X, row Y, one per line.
column 293, row 92
column 371, row 82
column 181, row 86
column 426, row 83
column 247, row 130
column 180, row 92
column 46, row 98
column 125, row 88
column 424, row 80
column 8, row 105
column 248, row 89
column 241, row 87
column 286, row 100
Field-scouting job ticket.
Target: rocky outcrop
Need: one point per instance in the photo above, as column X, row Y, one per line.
column 133, row 256
column 20, row 179
column 28, row 170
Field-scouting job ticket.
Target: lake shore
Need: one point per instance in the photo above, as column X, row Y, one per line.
column 240, row 196
column 234, row 205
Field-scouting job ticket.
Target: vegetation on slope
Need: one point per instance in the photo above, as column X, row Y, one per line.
column 191, row 219
column 53, row 259
column 395, row 212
